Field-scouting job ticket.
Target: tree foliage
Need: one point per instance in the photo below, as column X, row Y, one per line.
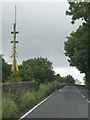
column 66, row 79
column 78, row 45
column 26, row 74
column 41, row 69
column 36, row 69
column 6, row 70
column 69, row 79
column 76, row 49
column 79, row 10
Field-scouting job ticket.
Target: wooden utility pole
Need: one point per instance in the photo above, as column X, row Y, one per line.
column 14, row 49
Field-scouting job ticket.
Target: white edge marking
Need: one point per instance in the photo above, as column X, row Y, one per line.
column 60, row 90
column 88, row 101
column 35, row 107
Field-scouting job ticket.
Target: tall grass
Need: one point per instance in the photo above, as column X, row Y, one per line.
column 28, row 99
column 0, row 107
column 9, row 108
column 31, row 98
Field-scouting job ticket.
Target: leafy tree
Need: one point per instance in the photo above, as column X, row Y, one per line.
column 6, row 70
column 26, row 74
column 58, row 78
column 69, row 79
column 41, row 68
column 15, row 77
column 21, row 75
column 79, row 41
column 79, row 10
column 76, row 49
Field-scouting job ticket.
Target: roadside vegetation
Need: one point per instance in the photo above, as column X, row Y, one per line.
column 37, row 70
column 77, row 46
column 77, row 49
column 88, row 85
column 12, row 107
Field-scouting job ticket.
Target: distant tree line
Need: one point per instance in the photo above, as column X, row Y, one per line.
column 35, row 69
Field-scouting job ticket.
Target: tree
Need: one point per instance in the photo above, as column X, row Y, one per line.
column 26, row 74
column 41, row 68
column 79, row 57
column 6, row 70
column 21, row 75
column 69, row 79
column 15, row 77
column 79, row 10
column 76, row 49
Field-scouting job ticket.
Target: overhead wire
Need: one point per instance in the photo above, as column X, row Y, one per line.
column 34, row 15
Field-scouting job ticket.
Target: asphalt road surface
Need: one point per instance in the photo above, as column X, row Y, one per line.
column 68, row 102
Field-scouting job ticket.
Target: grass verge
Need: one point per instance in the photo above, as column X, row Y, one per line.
column 11, row 108
column 88, row 85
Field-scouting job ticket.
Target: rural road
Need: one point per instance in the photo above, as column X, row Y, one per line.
column 68, row 102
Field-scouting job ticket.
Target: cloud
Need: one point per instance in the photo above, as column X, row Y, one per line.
column 43, row 28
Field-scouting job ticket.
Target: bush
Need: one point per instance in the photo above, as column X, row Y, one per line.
column 47, row 89
column 88, row 85
column 9, row 108
column 15, row 77
column 28, row 99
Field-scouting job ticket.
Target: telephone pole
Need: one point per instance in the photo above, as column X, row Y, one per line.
column 14, row 48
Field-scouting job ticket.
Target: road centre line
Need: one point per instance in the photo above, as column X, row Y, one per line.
column 35, row 107
column 83, row 96
column 78, row 91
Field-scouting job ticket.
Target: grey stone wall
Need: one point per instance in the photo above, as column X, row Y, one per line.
column 18, row 88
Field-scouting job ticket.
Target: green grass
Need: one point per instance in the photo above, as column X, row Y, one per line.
column 30, row 98
column 0, row 107
column 45, row 90
column 27, row 100
column 88, row 85
column 10, row 108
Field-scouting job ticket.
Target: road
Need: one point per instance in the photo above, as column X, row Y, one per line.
column 69, row 102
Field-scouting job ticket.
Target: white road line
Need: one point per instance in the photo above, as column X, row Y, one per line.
column 78, row 91
column 60, row 90
column 83, row 96
column 88, row 101
column 35, row 107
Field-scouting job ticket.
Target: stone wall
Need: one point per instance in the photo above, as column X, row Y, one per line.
column 18, row 88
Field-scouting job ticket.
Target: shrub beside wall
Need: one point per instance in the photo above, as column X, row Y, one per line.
column 27, row 100
column 19, row 88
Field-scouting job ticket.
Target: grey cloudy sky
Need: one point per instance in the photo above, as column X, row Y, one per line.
column 43, row 27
